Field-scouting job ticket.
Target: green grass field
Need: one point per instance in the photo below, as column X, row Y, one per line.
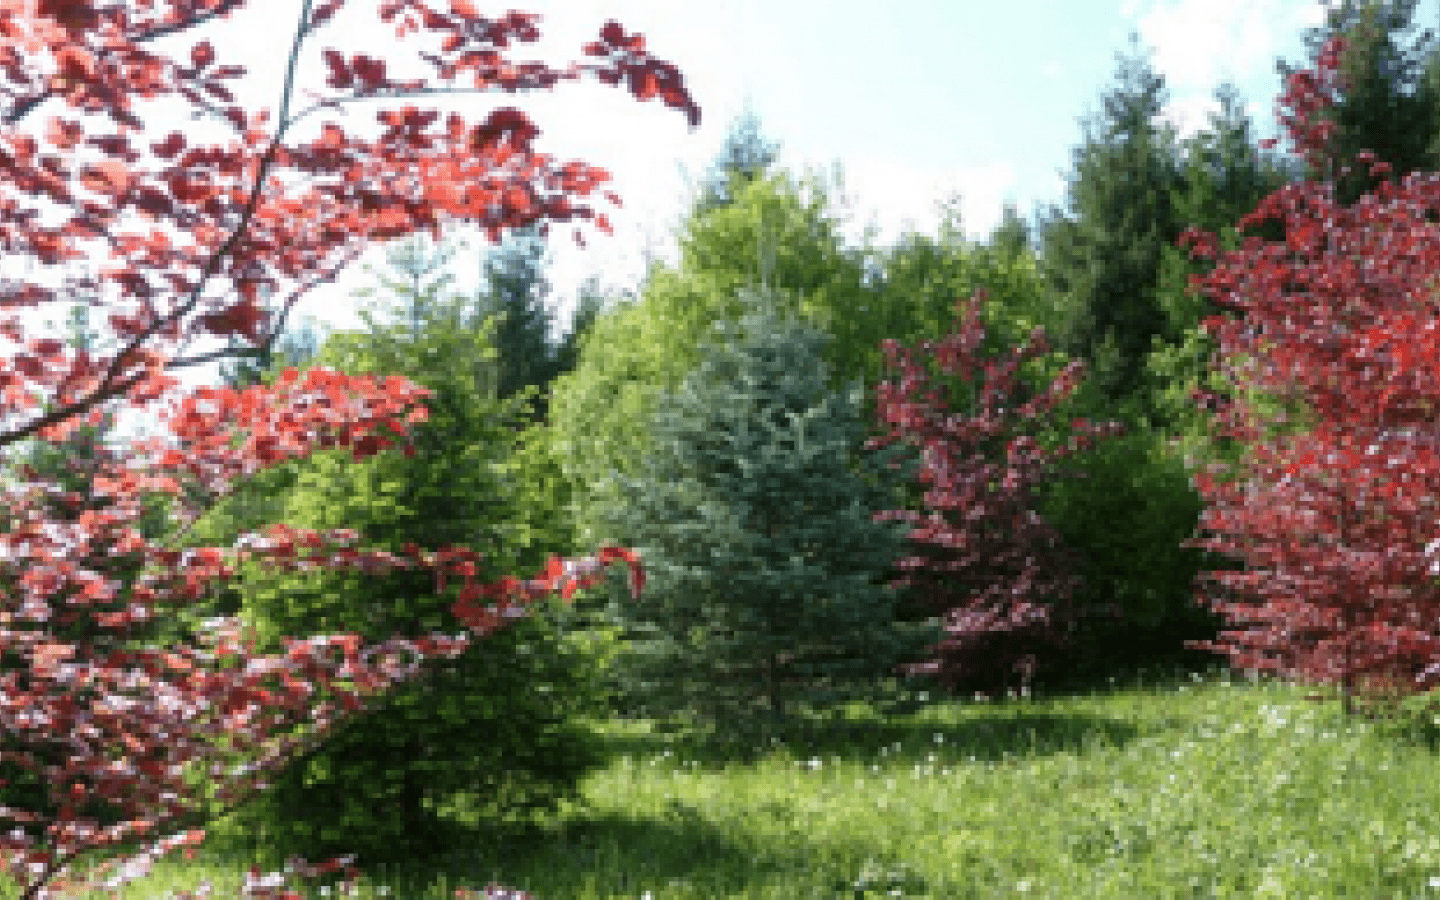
column 1189, row 785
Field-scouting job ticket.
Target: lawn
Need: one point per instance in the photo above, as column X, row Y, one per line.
column 1187, row 785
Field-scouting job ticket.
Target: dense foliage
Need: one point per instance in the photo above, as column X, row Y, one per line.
column 767, row 594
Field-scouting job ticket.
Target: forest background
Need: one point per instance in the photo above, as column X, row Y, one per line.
column 1098, row 267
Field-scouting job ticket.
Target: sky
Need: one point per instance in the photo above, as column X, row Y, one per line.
column 916, row 101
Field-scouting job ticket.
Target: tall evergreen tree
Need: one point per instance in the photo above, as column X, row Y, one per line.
column 745, row 157
column 1390, row 103
column 1103, row 258
column 1226, row 175
column 514, row 291
column 759, row 540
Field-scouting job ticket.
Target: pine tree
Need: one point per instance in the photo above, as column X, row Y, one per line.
column 757, row 533
column 514, row 293
column 1103, row 259
column 1390, row 104
column 499, row 724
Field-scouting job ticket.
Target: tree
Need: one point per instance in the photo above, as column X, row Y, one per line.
column 140, row 728
column 514, row 292
column 1012, row 236
column 1103, row 258
column 779, row 605
column 746, row 157
column 1227, row 175
column 525, row 688
column 1385, row 97
column 983, row 560
column 782, row 234
column 1333, row 509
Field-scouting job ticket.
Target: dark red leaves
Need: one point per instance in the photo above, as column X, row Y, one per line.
column 339, row 74
column 298, row 231
column 502, row 123
column 172, row 145
column 983, row 560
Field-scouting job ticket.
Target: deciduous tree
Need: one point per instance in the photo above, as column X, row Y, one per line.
column 983, row 560
column 140, row 727
column 1332, row 510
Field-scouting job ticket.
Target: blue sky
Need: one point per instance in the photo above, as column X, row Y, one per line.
column 917, row 100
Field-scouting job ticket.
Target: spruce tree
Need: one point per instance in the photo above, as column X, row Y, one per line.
column 1103, row 255
column 514, row 291
column 499, row 727
column 757, row 534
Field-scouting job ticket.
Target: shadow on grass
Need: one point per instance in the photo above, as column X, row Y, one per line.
column 992, row 733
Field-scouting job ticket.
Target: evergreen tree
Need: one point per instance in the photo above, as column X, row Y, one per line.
column 588, row 306
column 1103, row 259
column 758, row 538
column 745, row 157
column 498, row 725
column 514, row 293
column 1226, row 176
column 1390, row 103
column 1012, row 236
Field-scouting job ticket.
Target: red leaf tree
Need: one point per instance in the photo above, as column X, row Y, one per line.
column 133, row 729
column 1332, row 524
column 985, row 561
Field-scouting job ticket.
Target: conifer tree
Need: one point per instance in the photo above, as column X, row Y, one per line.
column 498, row 725
column 513, row 291
column 757, row 531
column 1103, row 255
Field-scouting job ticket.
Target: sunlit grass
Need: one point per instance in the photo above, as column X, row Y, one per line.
column 1190, row 786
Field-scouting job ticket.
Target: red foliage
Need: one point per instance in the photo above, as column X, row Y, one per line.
column 1332, row 525
column 991, row 563
column 132, row 725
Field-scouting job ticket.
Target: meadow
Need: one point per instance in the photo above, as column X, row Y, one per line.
column 1156, row 785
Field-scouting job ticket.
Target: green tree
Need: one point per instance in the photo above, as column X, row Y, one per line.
column 1226, row 177
column 782, row 235
column 1390, row 98
column 1012, row 236
column 514, row 291
column 499, row 727
column 760, row 539
column 1103, row 255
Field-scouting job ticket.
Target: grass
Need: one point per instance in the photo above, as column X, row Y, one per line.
column 1188, row 785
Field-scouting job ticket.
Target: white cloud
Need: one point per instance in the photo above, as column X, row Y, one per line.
column 1198, row 43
